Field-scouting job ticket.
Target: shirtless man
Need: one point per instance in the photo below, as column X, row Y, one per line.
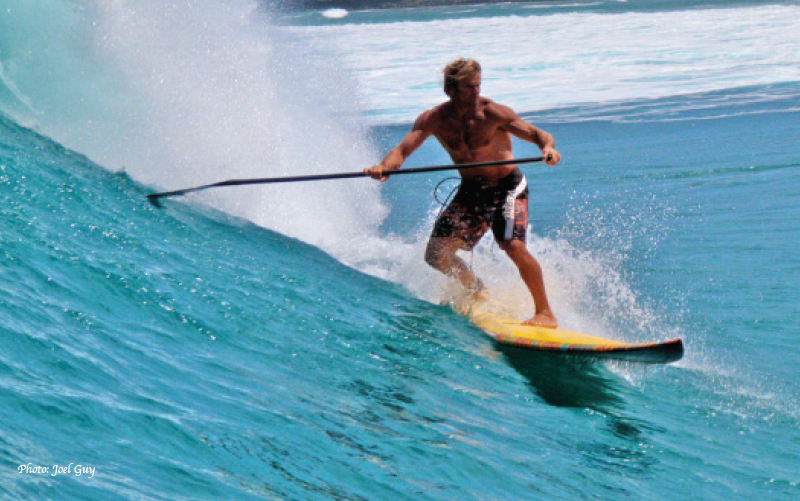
column 476, row 129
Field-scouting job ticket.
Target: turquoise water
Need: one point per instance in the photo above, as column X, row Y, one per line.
column 288, row 342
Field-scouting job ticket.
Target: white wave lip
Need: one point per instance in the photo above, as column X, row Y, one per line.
column 335, row 13
column 542, row 62
column 221, row 93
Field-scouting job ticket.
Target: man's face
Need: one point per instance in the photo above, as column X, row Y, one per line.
column 469, row 89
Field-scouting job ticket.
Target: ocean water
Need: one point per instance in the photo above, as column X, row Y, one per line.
column 287, row 342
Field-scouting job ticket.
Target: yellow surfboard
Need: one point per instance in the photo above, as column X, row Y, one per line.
column 510, row 332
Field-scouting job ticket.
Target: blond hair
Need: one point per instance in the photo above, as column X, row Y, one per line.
column 458, row 70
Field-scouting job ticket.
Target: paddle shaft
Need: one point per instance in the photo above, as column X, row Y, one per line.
column 343, row 175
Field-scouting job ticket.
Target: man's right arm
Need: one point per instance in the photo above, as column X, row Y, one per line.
column 393, row 160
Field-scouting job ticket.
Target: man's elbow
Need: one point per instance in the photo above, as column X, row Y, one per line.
column 545, row 139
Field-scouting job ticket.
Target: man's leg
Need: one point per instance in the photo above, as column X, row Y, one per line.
column 441, row 254
column 531, row 274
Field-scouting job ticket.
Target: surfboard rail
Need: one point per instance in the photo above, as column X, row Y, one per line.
column 511, row 333
column 662, row 352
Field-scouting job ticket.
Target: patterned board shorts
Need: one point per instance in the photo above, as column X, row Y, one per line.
column 477, row 207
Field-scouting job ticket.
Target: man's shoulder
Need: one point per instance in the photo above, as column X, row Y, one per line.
column 497, row 110
column 442, row 110
column 434, row 116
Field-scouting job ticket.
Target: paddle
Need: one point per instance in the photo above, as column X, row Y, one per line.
column 153, row 198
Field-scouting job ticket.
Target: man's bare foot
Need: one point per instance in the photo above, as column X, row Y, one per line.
column 480, row 296
column 478, row 292
column 544, row 319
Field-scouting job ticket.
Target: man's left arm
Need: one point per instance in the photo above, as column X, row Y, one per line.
column 528, row 132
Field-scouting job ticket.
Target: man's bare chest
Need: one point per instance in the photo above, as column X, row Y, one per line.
column 467, row 134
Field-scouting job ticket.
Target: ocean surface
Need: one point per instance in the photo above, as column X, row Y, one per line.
column 287, row 342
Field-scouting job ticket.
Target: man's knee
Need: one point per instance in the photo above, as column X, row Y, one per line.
column 434, row 255
column 439, row 253
column 515, row 249
column 513, row 246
